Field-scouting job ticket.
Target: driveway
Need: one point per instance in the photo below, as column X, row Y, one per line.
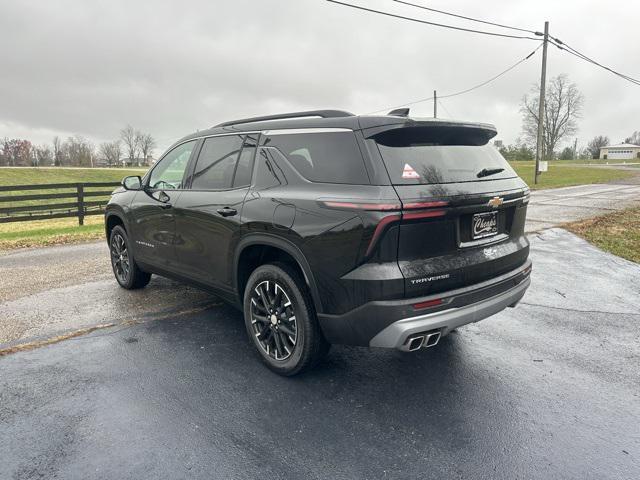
column 556, row 206
column 546, row 390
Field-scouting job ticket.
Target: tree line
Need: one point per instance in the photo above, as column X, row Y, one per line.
column 562, row 111
column 132, row 148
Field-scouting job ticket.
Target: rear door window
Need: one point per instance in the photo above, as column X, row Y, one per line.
column 421, row 158
column 325, row 157
column 217, row 163
column 268, row 172
column 244, row 169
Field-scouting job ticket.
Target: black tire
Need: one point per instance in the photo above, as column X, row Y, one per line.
column 124, row 266
column 302, row 345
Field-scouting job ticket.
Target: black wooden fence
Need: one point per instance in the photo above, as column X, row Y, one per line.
column 60, row 200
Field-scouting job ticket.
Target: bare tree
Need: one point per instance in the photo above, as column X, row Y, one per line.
column 139, row 136
column 4, row 151
column 79, row 151
column 42, row 155
column 562, row 109
column 17, row 152
column 634, row 138
column 129, row 137
column 147, row 144
column 596, row 144
column 58, row 151
column 111, row 151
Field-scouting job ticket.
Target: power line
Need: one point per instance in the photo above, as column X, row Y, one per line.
column 445, row 108
column 443, row 25
column 495, row 77
column 567, row 48
column 468, row 18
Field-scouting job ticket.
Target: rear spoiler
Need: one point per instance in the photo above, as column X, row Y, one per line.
column 408, row 131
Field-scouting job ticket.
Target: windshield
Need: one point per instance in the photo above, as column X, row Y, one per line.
column 415, row 156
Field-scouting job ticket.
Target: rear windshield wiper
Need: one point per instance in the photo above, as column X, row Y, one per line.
column 485, row 172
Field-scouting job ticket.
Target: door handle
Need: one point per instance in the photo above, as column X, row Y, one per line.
column 165, row 205
column 227, row 211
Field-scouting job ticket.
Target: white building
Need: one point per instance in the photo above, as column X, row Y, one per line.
column 624, row 151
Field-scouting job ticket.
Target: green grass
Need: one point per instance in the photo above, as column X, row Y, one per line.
column 37, row 176
column 567, row 175
column 617, row 233
column 592, row 161
column 42, row 233
column 31, row 176
column 54, row 231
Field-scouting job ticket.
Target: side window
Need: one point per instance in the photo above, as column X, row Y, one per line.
column 328, row 157
column 268, row 173
column 168, row 174
column 245, row 162
column 217, row 163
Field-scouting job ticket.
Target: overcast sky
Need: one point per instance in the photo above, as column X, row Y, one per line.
column 173, row 67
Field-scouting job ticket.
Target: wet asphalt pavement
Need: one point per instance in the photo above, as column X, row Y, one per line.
column 550, row 389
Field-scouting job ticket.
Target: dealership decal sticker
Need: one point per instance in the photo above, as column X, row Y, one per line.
column 409, row 172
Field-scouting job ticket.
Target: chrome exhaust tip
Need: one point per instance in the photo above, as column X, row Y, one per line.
column 413, row 343
column 431, row 339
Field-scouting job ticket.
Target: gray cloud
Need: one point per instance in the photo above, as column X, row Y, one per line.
column 173, row 67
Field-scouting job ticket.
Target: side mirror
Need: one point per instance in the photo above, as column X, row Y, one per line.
column 133, row 182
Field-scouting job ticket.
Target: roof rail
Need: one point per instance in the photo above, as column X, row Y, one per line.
column 310, row 113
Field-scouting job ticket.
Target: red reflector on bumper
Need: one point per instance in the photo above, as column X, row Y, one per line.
column 427, row 304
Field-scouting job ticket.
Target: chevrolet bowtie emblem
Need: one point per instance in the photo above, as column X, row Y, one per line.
column 495, row 202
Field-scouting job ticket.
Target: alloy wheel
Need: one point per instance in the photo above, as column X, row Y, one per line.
column 120, row 258
column 273, row 320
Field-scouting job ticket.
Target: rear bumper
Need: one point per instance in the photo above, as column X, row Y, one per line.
column 396, row 334
column 389, row 323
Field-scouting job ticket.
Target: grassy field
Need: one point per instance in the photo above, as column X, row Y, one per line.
column 55, row 231
column 35, row 176
column 41, row 233
column 30, row 176
column 618, row 233
column 595, row 161
column 560, row 175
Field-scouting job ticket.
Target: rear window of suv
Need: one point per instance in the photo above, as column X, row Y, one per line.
column 423, row 158
column 325, row 157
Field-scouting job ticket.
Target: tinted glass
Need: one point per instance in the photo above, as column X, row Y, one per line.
column 168, row 174
column 268, row 173
column 330, row 157
column 245, row 163
column 441, row 155
column 216, row 163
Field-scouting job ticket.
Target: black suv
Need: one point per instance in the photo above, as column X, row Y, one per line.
column 326, row 227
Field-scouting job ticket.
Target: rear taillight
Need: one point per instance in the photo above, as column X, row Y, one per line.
column 383, row 207
column 371, row 207
column 427, row 214
column 402, row 211
column 380, row 228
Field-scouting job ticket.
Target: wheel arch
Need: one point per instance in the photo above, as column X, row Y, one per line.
column 261, row 245
column 111, row 219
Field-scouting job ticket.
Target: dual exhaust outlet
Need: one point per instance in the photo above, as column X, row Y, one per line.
column 421, row 340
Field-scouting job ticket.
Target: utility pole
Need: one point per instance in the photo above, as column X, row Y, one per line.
column 575, row 149
column 435, row 104
column 543, row 82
